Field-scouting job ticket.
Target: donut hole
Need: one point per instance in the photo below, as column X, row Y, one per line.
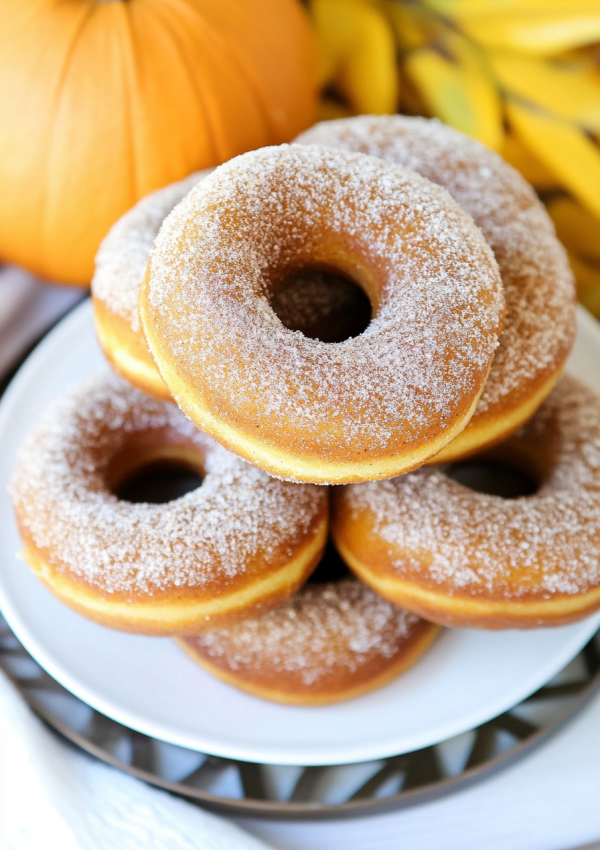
column 330, row 567
column 322, row 305
column 158, row 482
column 494, row 477
column 154, row 466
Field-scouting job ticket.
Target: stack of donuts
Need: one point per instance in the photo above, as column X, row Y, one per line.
column 361, row 310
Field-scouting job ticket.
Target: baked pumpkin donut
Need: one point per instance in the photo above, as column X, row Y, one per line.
column 332, row 641
column 463, row 558
column 120, row 266
column 237, row 545
column 319, row 305
column 372, row 406
column 539, row 328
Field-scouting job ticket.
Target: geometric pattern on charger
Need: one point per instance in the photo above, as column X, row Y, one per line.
column 309, row 793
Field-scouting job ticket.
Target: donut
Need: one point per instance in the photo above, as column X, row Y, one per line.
column 332, row 641
column 319, row 305
column 237, row 545
column 464, row 558
column 539, row 328
column 372, row 406
column 120, row 265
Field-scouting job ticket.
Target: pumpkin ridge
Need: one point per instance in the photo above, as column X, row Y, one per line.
column 129, row 60
column 45, row 215
column 190, row 10
column 246, row 75
column 31, row 13
column 200, row 95
column 242, row 68
column 102, row 121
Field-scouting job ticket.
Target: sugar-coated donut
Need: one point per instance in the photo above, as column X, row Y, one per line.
column 539, row 328
column 120, row 266
column 332, row 641
column 464, row 558
column 239, row 544
column 318, row 305
column 369, row 407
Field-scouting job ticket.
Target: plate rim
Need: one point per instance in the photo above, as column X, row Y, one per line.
column 157, row 729
column 352, row 808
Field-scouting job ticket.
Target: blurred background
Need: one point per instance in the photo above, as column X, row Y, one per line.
column 102, row 102
column 105, row 101
column 522, row 76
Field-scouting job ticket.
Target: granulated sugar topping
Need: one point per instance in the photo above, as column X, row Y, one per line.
column 324, row 627
column 420, row 362
column 211, row 534
column 466, row 541
column 539, row 327
column 123, row 255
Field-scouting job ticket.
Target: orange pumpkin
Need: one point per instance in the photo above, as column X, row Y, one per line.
column 103, row 101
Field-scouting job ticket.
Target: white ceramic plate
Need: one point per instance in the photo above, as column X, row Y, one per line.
column 149, row 684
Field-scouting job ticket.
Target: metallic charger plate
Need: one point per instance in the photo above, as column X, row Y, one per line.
column 245, row 789
column 309, row 793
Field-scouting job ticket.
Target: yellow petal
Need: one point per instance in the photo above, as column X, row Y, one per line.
column 359, row 54
column 564, row 149
column 368, row 76
column 588, row 283
column 336, row 29
column 520, row 157
column 558, row 90
column 459, row 92
column 330, row 109
column 510, row 7
column 543, row 32
column 580, row 60
column 576, row 228
column 413, row 26
column 411, row 102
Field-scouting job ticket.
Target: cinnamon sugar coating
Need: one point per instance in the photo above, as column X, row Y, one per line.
column 322, row 307
column 120, row 266
column 328, row 642
column 238, row 528
column 424, row 531
column 123, row 254
column 539, row 328
column 301, row 408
